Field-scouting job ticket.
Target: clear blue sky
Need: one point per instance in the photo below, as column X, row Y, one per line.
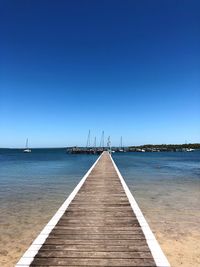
column 130, row 68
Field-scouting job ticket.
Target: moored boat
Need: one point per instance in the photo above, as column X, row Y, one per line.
column 27, row 149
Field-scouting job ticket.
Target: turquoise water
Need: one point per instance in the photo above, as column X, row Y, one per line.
column 32, row 187
column 166, row 185
column 52, row 170
column 32, row 176
column 160, row 165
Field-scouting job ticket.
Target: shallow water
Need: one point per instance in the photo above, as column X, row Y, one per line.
column 167, row 189
column 165, row 185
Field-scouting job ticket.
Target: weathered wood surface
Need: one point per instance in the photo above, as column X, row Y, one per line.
column 99, row 227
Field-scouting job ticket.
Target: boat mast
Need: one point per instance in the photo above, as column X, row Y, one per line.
column 95, row 143
column 26, row 143
column 88, row 140
column 102, row 140
column 109, row 144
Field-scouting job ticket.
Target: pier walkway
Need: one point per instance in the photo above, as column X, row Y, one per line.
column 100, row 224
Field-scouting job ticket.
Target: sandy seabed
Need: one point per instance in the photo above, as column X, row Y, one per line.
column 181, row 245
column 183, row 252
column 179, row 239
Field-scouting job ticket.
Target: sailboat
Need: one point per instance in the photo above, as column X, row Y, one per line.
column 27, row 149
column 121, row 149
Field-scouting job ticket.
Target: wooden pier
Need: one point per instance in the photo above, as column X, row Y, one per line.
column 100, row 224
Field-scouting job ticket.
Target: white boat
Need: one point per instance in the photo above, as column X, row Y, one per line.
column 121, row 148
column 189, row 149
column 140, row 150
column 27, row 149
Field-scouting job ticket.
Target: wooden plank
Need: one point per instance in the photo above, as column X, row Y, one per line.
column 93, row 262
column 98, row 236
column 62, row 231
column 57, row 241
column 100, row 221
column 98, row 247
column 94, row 254
column 94, row 229
column 93, row 207
column 97, row 223
column 98, row 214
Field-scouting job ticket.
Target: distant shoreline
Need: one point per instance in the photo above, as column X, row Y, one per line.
column 138, row 148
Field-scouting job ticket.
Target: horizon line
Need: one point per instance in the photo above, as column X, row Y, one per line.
column 63, row 147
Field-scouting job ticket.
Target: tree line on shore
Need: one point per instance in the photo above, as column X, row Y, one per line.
column 167, row 146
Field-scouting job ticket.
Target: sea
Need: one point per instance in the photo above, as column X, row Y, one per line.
column 166, row 186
